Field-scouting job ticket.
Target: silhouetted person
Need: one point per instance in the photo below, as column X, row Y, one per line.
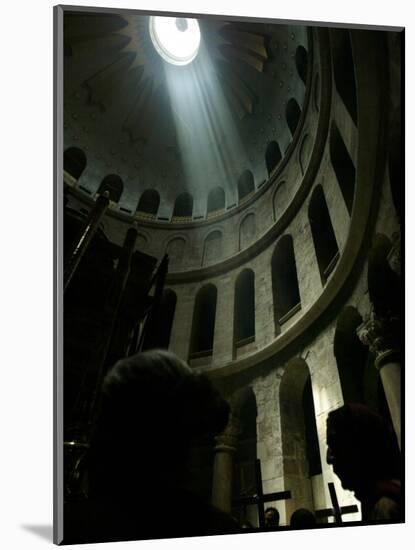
column 153, row 407
column 302, row 519
column 363, row 451
column 272, row 517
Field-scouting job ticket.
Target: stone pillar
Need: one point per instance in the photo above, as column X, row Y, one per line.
column 223, row 335
column 224, row 450
column 182, row 323
column 394, row 256
column 382, row 337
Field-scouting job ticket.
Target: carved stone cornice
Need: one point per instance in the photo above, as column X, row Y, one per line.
column 381, row 335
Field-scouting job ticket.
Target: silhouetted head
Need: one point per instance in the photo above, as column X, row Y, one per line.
column 302, row 519
column 153, row 407
column 272, row 517
column 362, row 447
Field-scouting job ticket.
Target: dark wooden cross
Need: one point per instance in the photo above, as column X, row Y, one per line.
column 336, row 511
column 259, row 499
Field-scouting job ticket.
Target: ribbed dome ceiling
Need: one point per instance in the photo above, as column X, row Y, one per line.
column 175, row 129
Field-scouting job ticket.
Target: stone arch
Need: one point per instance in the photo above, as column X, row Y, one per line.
column 141, row 242
column 343, row 166
column 285, row 290
column 74, row 162
column 203, row 325
column 325, row 244
column 292, row 114
column 183, row 206
column 300, row 446
column 246, row 184
column 160, row 338
column 212, row 248
column 216, row 201
column 244, row 308
column 175, row 249
column 114, row 185
column 301, row 62
column 343, row 69
column 247, row 231
column 273, row 156
column 149, row 202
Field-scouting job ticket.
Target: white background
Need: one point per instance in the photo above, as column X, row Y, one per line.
column 26, row 283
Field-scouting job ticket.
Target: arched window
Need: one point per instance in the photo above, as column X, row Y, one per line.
column 247, row 231
column 244, row 312
column 162, row 325
column 292, row 114
column 285, row 291
column 114, row 185
column 212, row 250
column 325, row 243
column 203, row 326
column 175, row 250
column 74, row 162
column 183, row 206
column 272, row 156
column 216, row 200
column 246, row 184
column 343, row 166
column 383, row 282
column 300, row 447
column 343, row 68
column 149, row 202
column 301, row 62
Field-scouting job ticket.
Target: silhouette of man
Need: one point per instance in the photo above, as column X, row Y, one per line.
column 363, row 451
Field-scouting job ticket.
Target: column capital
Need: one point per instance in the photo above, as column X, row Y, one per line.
column 228, row 439
column 381, row 335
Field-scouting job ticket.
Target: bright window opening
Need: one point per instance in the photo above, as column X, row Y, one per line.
column 176, row 39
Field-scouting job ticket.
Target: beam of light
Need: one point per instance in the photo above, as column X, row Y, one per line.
column 176, row 39
column 210, row 145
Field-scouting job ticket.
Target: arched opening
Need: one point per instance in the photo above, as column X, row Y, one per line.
column 351, row 355
column 301, row 62
column 272, row 156
column 359, row 378
column 244, row 310
column 247, row 231
column 300, row 446
column 343, row 166
column 74, row 162
column 383, row 283
column 183, row 206
column 164, row 322
column 244, row 409
column 203, row 325
column 216, row 201
column 285, row 291
column 114, row 185
column 175, row 250
column 246, row 185
column 325, row 243
column 212, row 249
column 343, row 68
column 149, row 202
column 292, row 114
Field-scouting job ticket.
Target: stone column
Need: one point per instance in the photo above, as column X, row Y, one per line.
column 382, row 336
column 224, row 450
column 223, row 335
